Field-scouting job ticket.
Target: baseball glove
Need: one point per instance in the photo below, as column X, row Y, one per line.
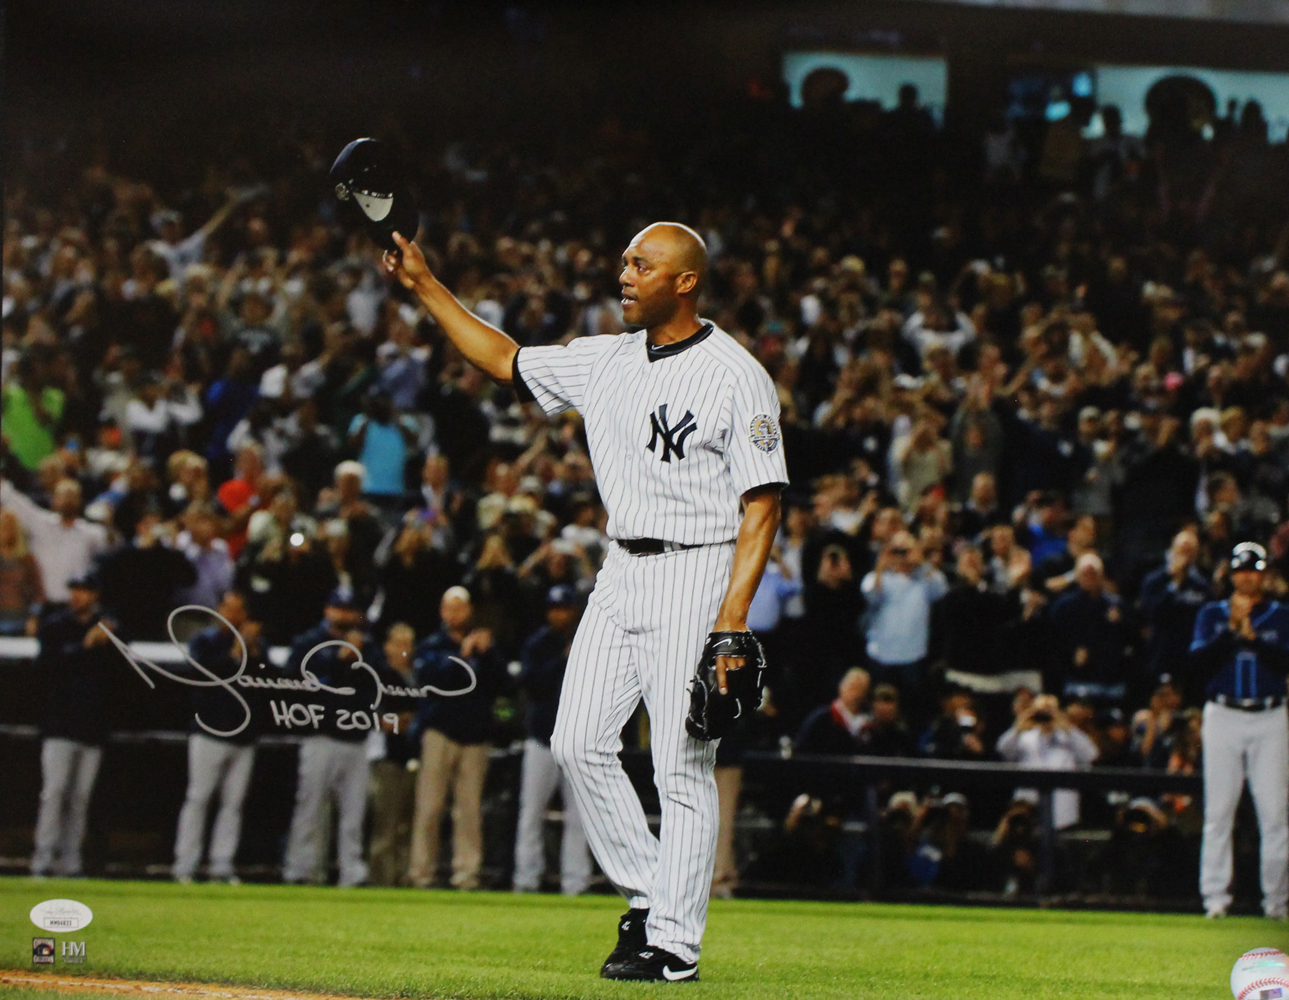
column 712, row 714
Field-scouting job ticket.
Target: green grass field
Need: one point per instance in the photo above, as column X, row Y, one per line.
column 401, row 943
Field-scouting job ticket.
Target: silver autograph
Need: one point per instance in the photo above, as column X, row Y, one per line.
column 308, row 681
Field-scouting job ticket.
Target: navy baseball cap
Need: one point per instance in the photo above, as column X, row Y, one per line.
column 561, row 596
column 85, row 581
column 1248, row 556
column 369, row 184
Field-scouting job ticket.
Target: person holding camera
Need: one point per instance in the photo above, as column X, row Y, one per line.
column 1042, row 737
column 1243, row 645
column 900, row 591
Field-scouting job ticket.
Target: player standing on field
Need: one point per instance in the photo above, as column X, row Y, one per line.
column 1244, row 643
column 683, row 429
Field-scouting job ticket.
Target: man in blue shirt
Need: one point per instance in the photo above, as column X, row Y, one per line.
column 900, row 591
column 1243, row 645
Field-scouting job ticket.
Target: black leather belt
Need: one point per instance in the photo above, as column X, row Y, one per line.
column 1248, row 704
column 651, row 546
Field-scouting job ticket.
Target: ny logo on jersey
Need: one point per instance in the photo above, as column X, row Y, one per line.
column 673, row 438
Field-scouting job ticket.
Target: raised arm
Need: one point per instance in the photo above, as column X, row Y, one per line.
column 484, row 346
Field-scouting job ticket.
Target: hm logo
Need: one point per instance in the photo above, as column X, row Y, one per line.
column 673, row 438
column 73, row 951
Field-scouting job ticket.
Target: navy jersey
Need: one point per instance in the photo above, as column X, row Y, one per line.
column 1241, row 668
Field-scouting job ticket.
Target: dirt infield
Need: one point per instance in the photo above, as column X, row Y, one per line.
column 140, row 988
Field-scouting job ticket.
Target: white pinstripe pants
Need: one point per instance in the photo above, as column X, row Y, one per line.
column 641, row 636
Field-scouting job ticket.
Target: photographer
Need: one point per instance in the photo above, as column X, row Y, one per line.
column 900, row 591
column 1042, row 737
column 957, row 733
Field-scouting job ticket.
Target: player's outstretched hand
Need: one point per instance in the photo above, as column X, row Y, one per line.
column 408, row 265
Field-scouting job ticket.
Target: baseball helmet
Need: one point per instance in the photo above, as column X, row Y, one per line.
column 1248, row 556
column 373, row 192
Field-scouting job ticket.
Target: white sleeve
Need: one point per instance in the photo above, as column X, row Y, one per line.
column 557, row 376
column 755, row 450
column 1085, row 751
column 1008, row 745
column 30, row 515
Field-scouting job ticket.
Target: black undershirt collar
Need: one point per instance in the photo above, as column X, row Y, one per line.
column 676, row 346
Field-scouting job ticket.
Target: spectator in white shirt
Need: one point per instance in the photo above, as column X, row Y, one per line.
column 1043, row 738
column 157, row 415
column 65, row 545
column 936, row 326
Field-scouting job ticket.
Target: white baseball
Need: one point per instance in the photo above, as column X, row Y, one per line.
column 1261, row 974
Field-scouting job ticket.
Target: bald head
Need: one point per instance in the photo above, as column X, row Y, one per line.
column 683, row 248
column 663, row 272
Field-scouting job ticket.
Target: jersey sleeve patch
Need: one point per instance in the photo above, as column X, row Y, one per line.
column 763, row 433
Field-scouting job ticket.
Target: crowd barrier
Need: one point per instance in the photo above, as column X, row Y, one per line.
column 869, row 778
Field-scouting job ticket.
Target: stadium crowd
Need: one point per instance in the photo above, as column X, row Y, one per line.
column 1026, row 419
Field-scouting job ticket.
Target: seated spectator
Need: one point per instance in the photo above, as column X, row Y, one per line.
column 1090, row 638
column 835, row 728
column 1042, row 737
column 21, row 593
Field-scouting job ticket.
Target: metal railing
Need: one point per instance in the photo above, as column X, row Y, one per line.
column 867, row 772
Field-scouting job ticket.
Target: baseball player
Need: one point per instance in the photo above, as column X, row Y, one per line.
column 218, row 763
column 1243, row 643
column 333, row 764
column 76, row 666
column 683, row 431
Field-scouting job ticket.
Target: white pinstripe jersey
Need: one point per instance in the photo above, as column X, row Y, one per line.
column 677, row 435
